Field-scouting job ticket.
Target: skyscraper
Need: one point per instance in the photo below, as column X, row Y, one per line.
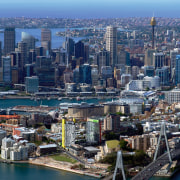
column 79, row 49
column 111, row 44
column 177, row 70
column 9, row 40
column 22, row 47
column 0, row 55
column 46, row 39
column 30, row 40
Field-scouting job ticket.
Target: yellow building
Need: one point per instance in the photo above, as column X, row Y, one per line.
column 63, row 132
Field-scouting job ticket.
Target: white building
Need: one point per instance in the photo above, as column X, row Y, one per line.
column 138, row 85
column 111, row 44
column 172, row 96
column 13, row 151
column 155, row 81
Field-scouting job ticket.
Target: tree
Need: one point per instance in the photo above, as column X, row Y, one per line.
column 123, row 144
column 139, row 129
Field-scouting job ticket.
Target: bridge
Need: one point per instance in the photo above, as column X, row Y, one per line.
column 155, row 166
column 157, row 163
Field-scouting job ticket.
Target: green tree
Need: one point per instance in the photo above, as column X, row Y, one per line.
column 123, row 144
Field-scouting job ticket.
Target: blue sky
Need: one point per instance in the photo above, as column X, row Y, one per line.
column 89, row 8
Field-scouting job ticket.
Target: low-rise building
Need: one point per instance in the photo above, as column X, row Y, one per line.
column 46, row 149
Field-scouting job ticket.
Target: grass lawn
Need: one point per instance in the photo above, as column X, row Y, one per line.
column 112, row 144
column 63, row 157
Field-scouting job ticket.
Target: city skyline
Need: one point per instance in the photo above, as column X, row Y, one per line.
column 89, row 9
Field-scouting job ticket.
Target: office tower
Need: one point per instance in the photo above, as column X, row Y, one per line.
column 15, row 59
column 153, row 24
column 135, row 72
column 32, row 56
column 93, row 131
column 94, row 76
column 173, row 54
column 177, row 70
column 29, row 40
column 76, row 75
column 85, row 73
column 32, row 84
column 0, row 55
column 46, row 39
column 69, row 46
column 6, row 62
column 149, row 57
column 22, row 47
column 79, row 50
column 86, row 53
column 9, row 40
column 159, row 60
column 163, row 73
column 123, row 58
column 111, row 44
column 149, row 71
column 39, row 51
column 106, row 72
column 44, row 71
column 102, row 58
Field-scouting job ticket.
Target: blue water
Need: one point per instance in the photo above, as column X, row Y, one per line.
column 33, row 172
column 56, row 40
column 9, row 103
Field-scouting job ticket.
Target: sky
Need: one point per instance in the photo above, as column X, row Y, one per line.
column 89, row 8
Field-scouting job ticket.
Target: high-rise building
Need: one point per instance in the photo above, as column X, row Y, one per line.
column 15, row 59
column 9, row 40
column 68, row 133
column 163, row 73
column 149, row 71
column 22, row 47
column 93, row 131
column 111, row 44
column 112, row 123
column 85, row 74
column 173, row 54
column 0, row 55
column 29, row 40
column 46, row 37
column 6, row 61
column 79, row 50
column 159, row 60
column 177, row 70
column 149, row 57
column 32, row 84
column 102, row 59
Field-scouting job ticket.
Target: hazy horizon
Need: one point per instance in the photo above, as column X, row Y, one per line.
column 89, row 8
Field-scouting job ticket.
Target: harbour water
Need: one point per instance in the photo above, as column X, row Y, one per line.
column 8, row 103
column 33, row 172
column 56, row 40
column 29, row 172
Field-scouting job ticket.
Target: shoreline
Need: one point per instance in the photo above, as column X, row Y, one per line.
column 60, row 165
column 48, row 162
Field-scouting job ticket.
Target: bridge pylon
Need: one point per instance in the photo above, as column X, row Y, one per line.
column 119, row 164
column 163, row 132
